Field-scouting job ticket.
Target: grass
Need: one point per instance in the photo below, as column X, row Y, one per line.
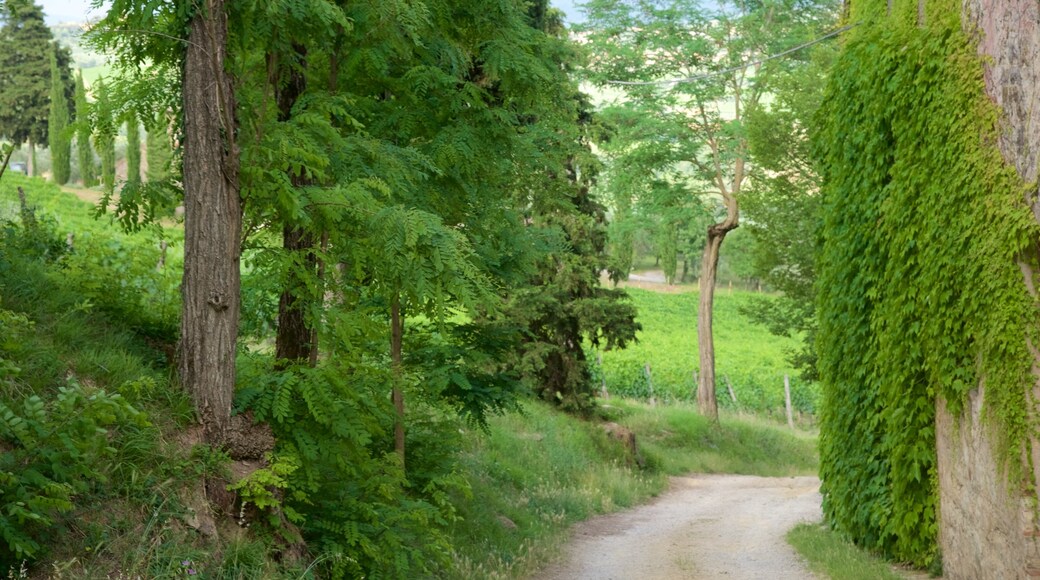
column 681, row 441
column 747, row 355
column 831, row 556
column 536, row 473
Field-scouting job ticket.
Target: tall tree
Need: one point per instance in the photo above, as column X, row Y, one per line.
column 693, row 73
column 133, row 148
column 25, row 49
column 212, row 222
column 58, row 124
column 105, row 130
column 158, row 149
column 563, row 305
column 84, row 152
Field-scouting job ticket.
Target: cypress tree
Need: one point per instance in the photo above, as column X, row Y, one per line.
column 158, row 150
column 25, row 51
column 24, row 47
column 133, row 149
column 58, row 122
column 84, row 153
column 105, row 135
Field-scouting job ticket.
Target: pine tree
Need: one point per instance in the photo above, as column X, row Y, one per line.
column 84, row 153
column 58, row 125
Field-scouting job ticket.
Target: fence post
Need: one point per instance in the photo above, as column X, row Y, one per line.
column 650, row 383
column 603, row 392
column 162, row 255
column 729, row 387
column 787, row 401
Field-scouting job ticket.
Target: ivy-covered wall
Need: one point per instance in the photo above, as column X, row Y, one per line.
column 922, row 298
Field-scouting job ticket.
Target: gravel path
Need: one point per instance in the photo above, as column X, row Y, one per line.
column 705, row 526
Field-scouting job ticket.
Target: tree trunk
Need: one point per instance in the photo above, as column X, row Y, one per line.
column 294, row 341
column 397, row 367
column 706, row 402
column 31, row 167
column 212, row 224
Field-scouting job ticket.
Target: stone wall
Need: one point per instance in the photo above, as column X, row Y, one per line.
column 987, row 525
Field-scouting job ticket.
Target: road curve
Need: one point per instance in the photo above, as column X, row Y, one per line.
column 704, row 527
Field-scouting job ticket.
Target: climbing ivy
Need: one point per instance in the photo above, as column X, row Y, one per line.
column 920, row 294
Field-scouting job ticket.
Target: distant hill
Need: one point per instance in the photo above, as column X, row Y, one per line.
column 70, row 34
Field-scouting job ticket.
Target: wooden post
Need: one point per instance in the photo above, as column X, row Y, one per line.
column 787, row 401
column 603, row 392
column 162, row 256
column 729, row 387
column 650, row 383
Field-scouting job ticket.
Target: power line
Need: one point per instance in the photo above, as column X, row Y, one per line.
column 830, row 34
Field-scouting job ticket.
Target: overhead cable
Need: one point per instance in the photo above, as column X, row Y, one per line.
column 696, row 78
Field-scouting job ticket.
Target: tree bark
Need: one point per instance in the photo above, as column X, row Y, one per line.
column 212, row 224
column 397, row 368
column 293, row 343
column 706, row 402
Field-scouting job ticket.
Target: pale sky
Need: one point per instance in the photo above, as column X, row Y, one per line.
column 78, row 10
column 66, row 10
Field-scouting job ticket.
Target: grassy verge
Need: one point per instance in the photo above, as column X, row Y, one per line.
column 833, row 557
column 679, row 441
column 534, row 474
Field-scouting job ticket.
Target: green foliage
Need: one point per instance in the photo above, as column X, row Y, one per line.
column 53, row 449
column 783, row 203
column 122, row 277
column 58, row 130
column 104, row 133
column 915, row 309
column 84, row 153
column 343, row 484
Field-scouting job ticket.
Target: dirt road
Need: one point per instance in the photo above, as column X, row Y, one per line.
column 706, row 526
